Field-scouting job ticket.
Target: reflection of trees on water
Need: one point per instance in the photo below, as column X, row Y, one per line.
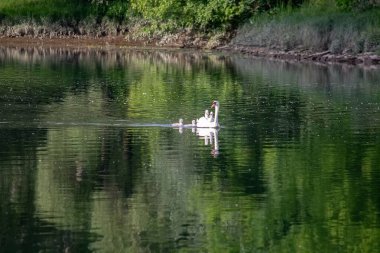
column 210, row 137
column 22, row 228
column 109, row 58
column 144, row 189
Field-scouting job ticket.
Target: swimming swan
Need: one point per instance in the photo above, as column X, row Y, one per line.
column 205, row 122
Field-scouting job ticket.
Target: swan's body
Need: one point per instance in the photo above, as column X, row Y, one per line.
column 205, row 122
column 211, row 118
column 179, row 124
column 204, row 118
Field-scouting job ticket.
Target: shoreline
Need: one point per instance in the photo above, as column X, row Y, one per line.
column 70, row 42
column 367, row 59
column 326, row 57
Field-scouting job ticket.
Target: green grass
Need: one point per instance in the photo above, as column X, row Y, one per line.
column 55, row 18
column 315, row 29
column 42, row 9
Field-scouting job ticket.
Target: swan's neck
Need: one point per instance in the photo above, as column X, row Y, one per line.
column 216, row 115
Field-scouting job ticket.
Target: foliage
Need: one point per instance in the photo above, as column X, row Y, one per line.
column 344, row 5
column 116, row 9
column 193, row 13
column 167, row 15
column 355, row 4
column 44, row 9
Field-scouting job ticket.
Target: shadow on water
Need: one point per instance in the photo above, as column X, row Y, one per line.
column 90, row 162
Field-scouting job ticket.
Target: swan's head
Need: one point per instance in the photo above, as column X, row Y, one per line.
column 193, row 122
column 215, row 104
column 181, row 121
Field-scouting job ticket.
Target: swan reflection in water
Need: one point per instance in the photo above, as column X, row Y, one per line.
column 209, row 135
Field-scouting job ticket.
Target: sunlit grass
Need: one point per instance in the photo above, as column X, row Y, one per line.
column 314, row 28
column 37, row 9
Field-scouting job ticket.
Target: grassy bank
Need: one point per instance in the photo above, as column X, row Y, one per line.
column 339, row 26
column 314, row 29
column 57, row 18
column 52, row 10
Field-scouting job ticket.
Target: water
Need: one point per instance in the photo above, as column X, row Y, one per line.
column 89, row 162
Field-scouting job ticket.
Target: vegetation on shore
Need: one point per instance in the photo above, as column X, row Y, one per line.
column 314, row 29
column 340, row 26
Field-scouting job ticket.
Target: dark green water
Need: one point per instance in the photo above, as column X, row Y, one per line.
column 88, row 162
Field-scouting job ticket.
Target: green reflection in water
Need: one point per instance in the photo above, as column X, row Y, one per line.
column 297, row 168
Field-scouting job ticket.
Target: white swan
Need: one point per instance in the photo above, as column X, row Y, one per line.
column 204, row 118
column 179, row 124
column 211, row 118
column 203, row 122
column 206, row 114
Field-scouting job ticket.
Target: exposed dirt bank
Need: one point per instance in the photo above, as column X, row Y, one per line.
column 187, row 41
column 74, row 42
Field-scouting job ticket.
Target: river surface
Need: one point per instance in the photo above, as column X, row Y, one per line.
column 90, row 163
